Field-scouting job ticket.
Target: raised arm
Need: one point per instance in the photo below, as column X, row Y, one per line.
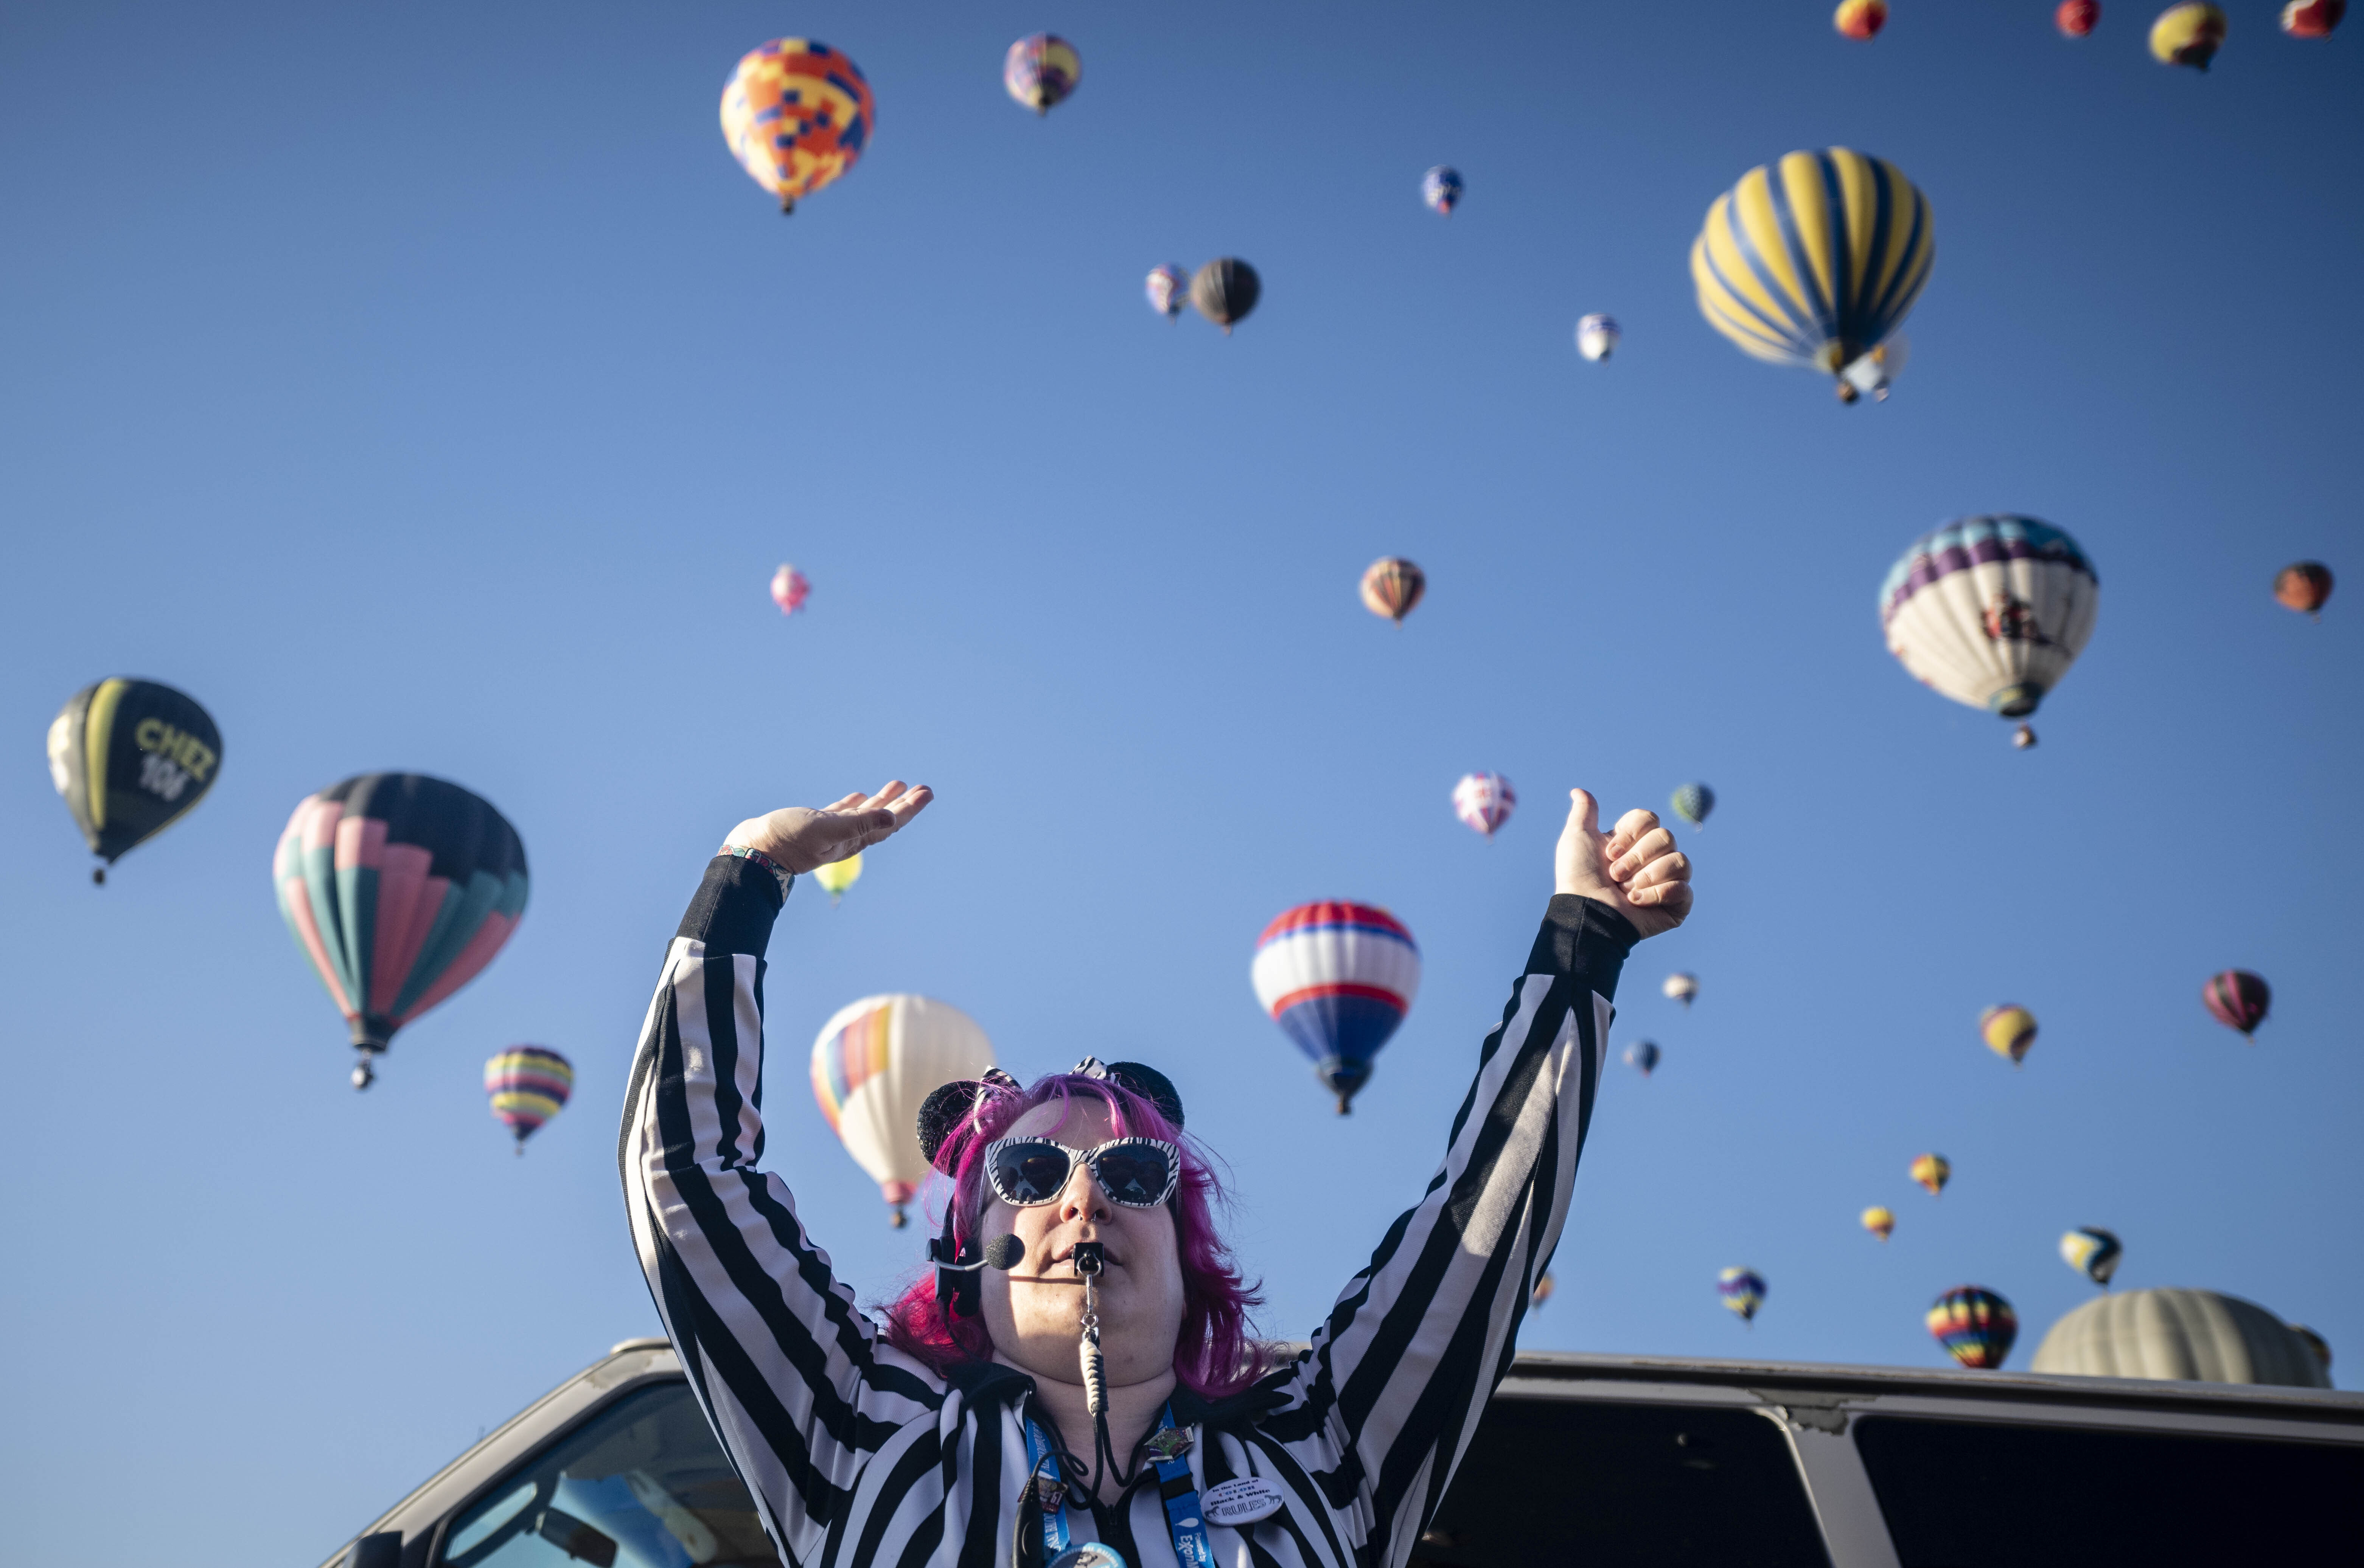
column 785, row 1364
column 1387, row 1397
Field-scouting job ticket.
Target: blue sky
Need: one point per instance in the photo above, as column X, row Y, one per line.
column 427, row 389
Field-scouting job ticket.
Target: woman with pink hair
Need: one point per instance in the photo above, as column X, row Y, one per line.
column 1076, row 1386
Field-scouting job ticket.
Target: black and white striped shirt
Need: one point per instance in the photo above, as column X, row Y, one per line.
column 860, row 1457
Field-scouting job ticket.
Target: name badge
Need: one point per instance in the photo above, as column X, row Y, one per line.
column 1242, row 1501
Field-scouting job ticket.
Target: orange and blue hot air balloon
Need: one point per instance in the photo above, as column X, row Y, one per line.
column 1976, row 1326
column 528, row 1084
column 399, row 888
column 796, row 113
column 1338, row 978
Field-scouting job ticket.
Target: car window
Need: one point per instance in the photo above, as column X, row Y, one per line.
column 1961, row 1494
column 637, row 1484
column 1578, row 1481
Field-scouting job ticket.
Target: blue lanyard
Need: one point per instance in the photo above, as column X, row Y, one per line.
column 1183, row 1518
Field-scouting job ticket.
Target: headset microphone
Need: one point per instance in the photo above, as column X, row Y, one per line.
column 1004, row 1252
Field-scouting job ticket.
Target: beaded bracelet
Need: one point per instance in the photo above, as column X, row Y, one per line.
column 780, row 873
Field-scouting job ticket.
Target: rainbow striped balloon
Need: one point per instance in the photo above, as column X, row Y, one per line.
column 528, row 1084
column 1338, row 978
column 1976, row 1326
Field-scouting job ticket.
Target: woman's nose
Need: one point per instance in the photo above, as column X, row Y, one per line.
column 1083, row 1199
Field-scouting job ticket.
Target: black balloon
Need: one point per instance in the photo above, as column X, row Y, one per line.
column 129, row 757
column 1225, row 291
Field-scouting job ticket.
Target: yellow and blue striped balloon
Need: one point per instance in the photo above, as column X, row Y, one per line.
column 528, row 1084
column 1815, row 260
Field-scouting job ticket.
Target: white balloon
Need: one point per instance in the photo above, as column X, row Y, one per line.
column 1597, row 336
column 1991, row 611
column 875, row 1062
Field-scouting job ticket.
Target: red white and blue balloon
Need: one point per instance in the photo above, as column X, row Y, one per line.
column 1338, row 978
column 1440, row 188
column 1484, row 801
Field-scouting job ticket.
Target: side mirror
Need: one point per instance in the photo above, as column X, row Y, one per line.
column 383, row 1550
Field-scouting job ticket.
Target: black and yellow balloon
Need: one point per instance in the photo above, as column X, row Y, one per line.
column 131, row 757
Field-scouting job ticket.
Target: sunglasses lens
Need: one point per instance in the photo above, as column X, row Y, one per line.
column 1136, row 1173
column 1030, row 1172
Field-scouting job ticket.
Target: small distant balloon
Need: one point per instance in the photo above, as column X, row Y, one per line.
column 1042, row 71
column 1440, row 188
column 1879, row 1220
column 1743, row 1291
column 797, row 114
column 2078, row 18
column 1976, row 1326
column 1225, row 291
column 1597, row 336
column 2187, row 35
column 1168, row 291
column 528, row 1084
column 1932, row 1172
column 2304, row 587
column 2238, row 1000
column 1680, row 987
column 1484, row 801
column 839, row 875
column 1392, row 587
column 1643, row 1057
column 790, row 588
column 2008, row 1030
column 2313, row 18
column 1544, row 1288
column 1693, row 802
column 2094, row 1252
column 1860, row 18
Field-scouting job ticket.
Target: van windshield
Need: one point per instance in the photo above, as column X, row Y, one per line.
column 641, row 1483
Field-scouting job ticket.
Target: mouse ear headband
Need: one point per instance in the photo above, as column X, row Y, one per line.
column 967, row 1099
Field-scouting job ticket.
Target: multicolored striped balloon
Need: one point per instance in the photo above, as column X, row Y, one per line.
column 1743, row 1291
column 2094, row 1252
column 2009, row 1030
column 399, row 888
column 1932, row 1172
column 1976, row 1326
column 1338, row 978
column 528, row 1084
column 797, row 114
column 1042, row 71
column 1392, row 587
column 874, row 1064
column 1813, row 261
column 1484, row 801
column 2238, row 1000
column 1991, row 611
column 1440, row 188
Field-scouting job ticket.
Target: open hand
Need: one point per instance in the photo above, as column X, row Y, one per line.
column 1635, row 869
column 800, row 838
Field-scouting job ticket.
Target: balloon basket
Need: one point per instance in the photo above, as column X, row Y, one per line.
column 98, row 877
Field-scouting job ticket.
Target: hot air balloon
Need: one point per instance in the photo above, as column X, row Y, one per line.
column 2313, row 18
column 2304, row 587
column 1681, row 988
column 1815, row 260
column 1743, row 1291
column 2078, row 18
column 1860, row 18
column 1440, row 188
column 1392, row 587
column 1876, row 371
column 399, row 888
column 1597, row 336
column 1484, row 801
column 1933, row 1171
column 1338, row 978
column 2312, row 1341
column 2238, row 1000
column 1225, row 291
column 528, row 1084
column 1693, row 803
column 789, row 587
column 796, row 113
column 131, row 757
column 2094, row 1252
column 2187, row 35
column 1643, row 1057
column 1168, row 291
column 1544, row 1288
column 1975, row 1325
column 1042, row 71
column 1879, row 1220
column 873, row 1063
column 1991, row 611
column 2008, row 1030
column 2195, row 1335
column 839, row 875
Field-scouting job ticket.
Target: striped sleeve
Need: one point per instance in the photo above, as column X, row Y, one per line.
column 789, row 1371
column 1386, row 1398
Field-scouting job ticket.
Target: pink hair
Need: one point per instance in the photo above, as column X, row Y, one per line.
column 1216, row 1352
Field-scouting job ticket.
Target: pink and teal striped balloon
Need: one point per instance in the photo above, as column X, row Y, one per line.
column 528, row 1084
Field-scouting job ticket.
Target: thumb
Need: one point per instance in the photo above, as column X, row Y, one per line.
column 1583, row 811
